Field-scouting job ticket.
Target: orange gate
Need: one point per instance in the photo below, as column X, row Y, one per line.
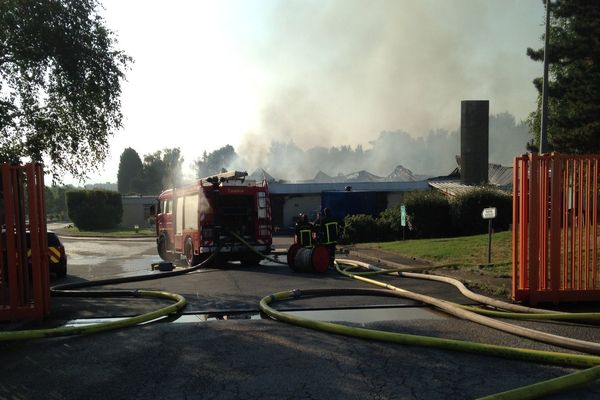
column 24, row 286
column 555, row 228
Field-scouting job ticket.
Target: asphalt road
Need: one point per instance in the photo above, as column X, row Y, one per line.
column 244, row 357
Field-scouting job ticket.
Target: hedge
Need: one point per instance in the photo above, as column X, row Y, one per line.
column 431, row 214
column 359, row 228
column 428, row 214
column 467, row 208
column 94, row 209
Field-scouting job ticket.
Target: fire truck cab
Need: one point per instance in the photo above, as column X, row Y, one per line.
column 196, row 220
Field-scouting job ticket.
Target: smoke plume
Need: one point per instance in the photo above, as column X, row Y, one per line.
column 386, row 75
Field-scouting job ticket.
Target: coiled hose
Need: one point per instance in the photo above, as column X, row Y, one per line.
column 592, row 363
column 68, row 290
column 180, row 302
column 471, row 313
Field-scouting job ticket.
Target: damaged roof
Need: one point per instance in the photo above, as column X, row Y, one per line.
column 498, row 176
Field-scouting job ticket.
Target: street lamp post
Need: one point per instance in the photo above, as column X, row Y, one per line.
column 544, row 116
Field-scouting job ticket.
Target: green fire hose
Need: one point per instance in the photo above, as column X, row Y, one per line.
column 180, row 302
column 68, row 290
column 592, row 363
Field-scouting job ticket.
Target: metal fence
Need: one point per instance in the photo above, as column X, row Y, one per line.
column 555, row 228
column 24, row 286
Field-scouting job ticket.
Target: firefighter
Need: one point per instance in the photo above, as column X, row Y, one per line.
column 304, row 232
column 317, row 225
column 328, row 234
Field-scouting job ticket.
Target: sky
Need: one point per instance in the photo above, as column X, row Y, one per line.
column 313, row 72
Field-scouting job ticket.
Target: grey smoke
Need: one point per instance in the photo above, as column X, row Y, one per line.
column 339, row 72
column 432, row 154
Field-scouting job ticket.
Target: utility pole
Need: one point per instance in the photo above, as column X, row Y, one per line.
column 544, row 117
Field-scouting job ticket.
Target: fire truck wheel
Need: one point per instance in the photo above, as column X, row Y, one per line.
column 191, row 258
column 161, row 247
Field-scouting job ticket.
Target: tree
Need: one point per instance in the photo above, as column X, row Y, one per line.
column 55, row 199
column 574, row 84
column 160, row 170
column 130, row 169
column 154, row 172
column 173, row 161
column 214, row 162
column 60, row 82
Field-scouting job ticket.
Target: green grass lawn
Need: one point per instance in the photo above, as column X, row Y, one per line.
column 468, row 251
column 71, row 230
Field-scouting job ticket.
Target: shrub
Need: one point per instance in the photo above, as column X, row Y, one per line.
column 360, row 228
column 428, row 214
column 392, row 218
column 94, row 209
column 467, row 208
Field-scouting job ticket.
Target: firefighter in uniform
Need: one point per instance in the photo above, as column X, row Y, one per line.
column 304, row 232
column 317, row 228
column 328, row 234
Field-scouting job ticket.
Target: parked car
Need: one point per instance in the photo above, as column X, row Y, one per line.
column 57, row 256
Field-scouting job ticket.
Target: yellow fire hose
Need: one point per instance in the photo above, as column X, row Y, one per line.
column 460, row 312
column 180, row 302
column 520, row 312
column 411, row 273
column 64, row 291
column 592, row 363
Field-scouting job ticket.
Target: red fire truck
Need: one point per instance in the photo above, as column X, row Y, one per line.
column 196, row 220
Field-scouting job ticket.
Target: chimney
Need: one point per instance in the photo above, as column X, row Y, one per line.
column 474, row 141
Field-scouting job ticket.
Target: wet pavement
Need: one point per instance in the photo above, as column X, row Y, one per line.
column 223, row 349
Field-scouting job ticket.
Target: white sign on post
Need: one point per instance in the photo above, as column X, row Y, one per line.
column 488, row 213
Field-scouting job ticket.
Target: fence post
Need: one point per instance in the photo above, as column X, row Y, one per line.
column 24, row 286
column 555, row 222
